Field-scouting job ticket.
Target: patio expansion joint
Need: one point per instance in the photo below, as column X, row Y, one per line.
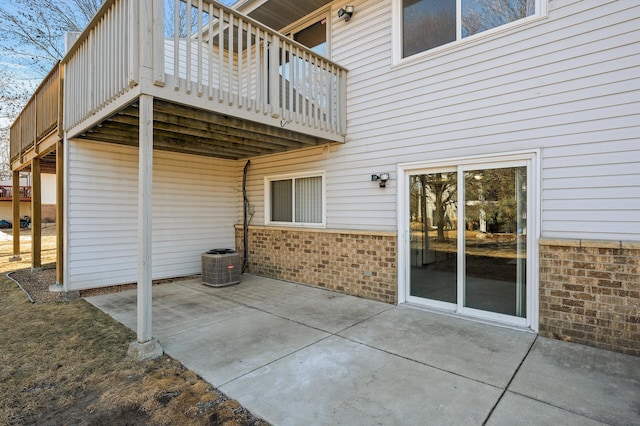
column 363, row 320
column 568, row 410
column 435, row 367
column 513, row 376
column 506, row 389
column 336, row 333
column 275, row 360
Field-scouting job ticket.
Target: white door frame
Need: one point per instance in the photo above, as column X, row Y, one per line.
column 533, row 220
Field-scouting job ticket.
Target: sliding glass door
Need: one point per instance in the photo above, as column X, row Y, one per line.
column 468, row 239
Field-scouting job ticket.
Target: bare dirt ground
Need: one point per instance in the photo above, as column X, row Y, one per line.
column 65, row 363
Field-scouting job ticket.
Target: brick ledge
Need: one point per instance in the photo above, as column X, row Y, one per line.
column 632, row 245
column 319, row 230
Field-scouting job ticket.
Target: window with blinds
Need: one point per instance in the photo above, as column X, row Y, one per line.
column 296, row 200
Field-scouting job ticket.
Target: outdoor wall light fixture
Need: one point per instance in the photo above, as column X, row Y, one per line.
column 381, row 178
column 346, row 11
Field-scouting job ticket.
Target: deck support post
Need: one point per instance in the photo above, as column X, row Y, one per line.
column 59, row 212
column 145, row 347
column 36, row 214
column 15, row 204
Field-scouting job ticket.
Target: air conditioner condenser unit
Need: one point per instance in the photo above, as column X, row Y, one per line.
column 220, row 267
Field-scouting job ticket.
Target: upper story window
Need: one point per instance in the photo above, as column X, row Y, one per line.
column 295, row 199
column 427, row 24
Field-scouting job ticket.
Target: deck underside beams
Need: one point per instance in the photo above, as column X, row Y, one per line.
column 190, row 130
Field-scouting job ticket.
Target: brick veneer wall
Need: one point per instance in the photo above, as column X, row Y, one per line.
column 590, row 293
column 358, row 263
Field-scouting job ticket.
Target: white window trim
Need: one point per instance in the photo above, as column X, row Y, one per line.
column 533, row 269
column 396, row 30
column 267, row 199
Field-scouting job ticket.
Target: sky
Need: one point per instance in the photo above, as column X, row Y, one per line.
column 19, row 73
column 16, row 64
column 24, row 74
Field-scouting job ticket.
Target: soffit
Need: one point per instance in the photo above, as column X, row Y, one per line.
column 278, row 14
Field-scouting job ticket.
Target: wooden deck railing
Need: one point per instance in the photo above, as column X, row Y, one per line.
column 6, row 193
column 39, row 117
column 232, row 59
column 103, row 63
column 202, row 49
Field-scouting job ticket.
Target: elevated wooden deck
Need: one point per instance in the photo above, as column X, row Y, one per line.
column 223, row 84
column 36, row 146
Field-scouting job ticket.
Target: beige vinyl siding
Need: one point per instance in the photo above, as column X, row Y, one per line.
column 101, row 215
column 194, row 209
column 566, row 85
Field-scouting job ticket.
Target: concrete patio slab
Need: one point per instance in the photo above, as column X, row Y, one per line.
column 592, row 382
column 283, row 351
column 479, row 351
column 517, row 410
column 339, row 382
column 226, row 350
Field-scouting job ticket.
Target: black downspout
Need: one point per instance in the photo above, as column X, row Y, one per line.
column 245, row 207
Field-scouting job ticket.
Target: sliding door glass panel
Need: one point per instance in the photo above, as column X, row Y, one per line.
column 495, row 216
column 433, row 218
